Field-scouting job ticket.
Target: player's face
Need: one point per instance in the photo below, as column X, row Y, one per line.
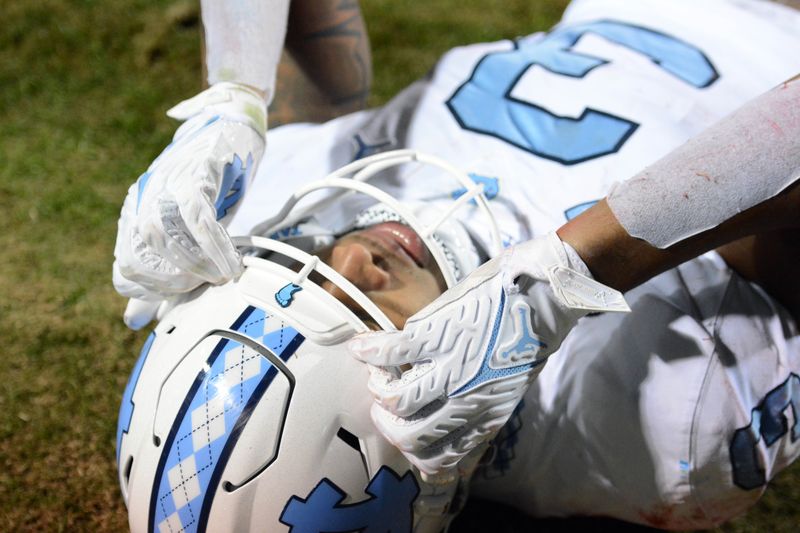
column 390, row 264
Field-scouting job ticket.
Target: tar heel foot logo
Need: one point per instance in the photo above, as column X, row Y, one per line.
column 285, row 296
column 388, row 510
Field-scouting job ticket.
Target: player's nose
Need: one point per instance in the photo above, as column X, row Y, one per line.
column 356, row 263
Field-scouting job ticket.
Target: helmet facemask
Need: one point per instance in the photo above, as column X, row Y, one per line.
column 301, row 222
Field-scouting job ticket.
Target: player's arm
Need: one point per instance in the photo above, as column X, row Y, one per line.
column 770, row 259
column 762, row 244
column 621, row 261
column 171, row 234
column 327, row 71
column 737, row 178
column 243, row 41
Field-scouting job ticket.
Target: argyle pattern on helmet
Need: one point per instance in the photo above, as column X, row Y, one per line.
column 212, row 416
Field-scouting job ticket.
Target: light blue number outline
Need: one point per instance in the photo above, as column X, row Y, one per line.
column 701, row 78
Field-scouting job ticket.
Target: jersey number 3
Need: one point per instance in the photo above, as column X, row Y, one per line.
column 484, row 103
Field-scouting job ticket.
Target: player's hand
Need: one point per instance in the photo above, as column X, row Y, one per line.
column 452, row 377
column 171, row 235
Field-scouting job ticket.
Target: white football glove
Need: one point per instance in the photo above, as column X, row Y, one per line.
column 451, row 378
column 171, row 235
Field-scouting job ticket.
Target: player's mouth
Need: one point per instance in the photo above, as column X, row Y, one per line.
column 402, row 240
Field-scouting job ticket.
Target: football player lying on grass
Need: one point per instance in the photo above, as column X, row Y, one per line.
column 671, row 415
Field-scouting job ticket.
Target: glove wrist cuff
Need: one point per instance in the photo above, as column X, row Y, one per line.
column 536, row 257
column 231, row 100
column 555, row 262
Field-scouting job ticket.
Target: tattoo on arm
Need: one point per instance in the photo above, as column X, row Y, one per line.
column 328, row 42
column 346, row 38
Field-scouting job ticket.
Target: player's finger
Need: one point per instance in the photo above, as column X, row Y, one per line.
column 218, row 260
column 441, row 457
column 403, row 434
column 175, row 240
column 190, row 242
column 151, row 259
column 423, row 430
column 449, row 456
column 139, row 313
column 223, row 259
column 417, row 387
column 140, row 270
column 203, row 247
column 124, row 285
column 384, row 348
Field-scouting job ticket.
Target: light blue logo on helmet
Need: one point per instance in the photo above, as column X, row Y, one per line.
column 285, row 296
column 127, row 405
column 388, row 510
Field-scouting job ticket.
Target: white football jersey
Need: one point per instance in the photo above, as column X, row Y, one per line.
column 552, row 120
column 674, row 416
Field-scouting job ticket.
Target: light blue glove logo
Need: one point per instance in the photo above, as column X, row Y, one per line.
column 486, row 104
column 486, row 372
column 234, row 180
column 528, row 342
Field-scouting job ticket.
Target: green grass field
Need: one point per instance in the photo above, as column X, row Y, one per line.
column 83, row 89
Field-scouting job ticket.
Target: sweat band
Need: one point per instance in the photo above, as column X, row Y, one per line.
column 244, row 40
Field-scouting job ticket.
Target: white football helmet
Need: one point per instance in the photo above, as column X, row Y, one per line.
column 245, row 411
